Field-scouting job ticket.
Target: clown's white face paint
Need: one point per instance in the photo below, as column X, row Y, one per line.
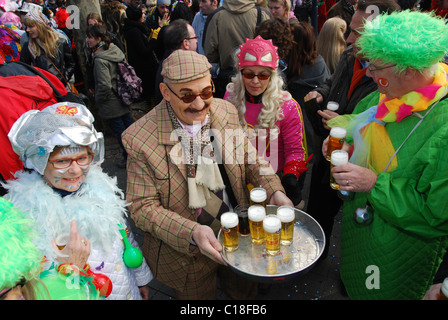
column 71, row 178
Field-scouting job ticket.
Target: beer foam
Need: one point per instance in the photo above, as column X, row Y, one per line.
column 332, row 105
column 338, row 132
column 339, row 157
column 286, row 213
column 271, row 224
column 229, row 220
column 444, row 287
column 258, row 195
column 256, row 213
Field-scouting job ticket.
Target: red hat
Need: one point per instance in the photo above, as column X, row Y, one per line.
column 61, row 18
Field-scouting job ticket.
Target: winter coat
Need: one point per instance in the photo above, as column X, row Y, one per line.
column 105, row 74
column 229, row 27
column 97, row 209
column 399, row 253
column 140, row 53
column 311, row 78
column 158, row 190
column 21, row 91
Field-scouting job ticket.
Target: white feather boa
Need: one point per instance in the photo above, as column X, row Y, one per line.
column 98, row 207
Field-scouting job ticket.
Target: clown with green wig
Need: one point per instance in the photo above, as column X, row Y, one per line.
column 21, row 264
column 395, row 223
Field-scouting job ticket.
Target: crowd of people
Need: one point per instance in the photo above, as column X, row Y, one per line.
column 263, row 70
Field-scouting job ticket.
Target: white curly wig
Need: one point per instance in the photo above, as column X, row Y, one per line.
column 273, row 99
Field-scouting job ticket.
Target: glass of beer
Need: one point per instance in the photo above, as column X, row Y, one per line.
column 62, row 241
column 287, row 217
column 256, row 214
column 337, row 137
column 338, row 157
column 272, row 226
column 243, row 219
column 258, row 196
column 332, row 105
column 229, row 227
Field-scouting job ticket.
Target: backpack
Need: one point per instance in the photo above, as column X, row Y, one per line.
column 129, row 85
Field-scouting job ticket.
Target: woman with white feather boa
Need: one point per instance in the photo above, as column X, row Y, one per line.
column 63, row 182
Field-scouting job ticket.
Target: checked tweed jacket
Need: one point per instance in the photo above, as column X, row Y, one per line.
column 157, row 188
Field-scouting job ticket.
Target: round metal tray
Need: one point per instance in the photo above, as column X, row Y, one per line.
column 251, row 260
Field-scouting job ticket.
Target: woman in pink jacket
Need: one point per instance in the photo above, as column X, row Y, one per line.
column 272, row 118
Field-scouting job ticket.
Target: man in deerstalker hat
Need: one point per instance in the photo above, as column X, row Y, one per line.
column 175, row 183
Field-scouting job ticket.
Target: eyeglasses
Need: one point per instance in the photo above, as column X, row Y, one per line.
column 191, row 38
column 251, row 75
column 190, row 97
column 65, row 163
column 377, row 69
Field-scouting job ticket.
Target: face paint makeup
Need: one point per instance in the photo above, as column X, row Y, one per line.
column 383, row 82
column 70, row 150
column 72, row 177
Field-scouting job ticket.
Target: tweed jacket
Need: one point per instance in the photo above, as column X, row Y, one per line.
column 157, row 188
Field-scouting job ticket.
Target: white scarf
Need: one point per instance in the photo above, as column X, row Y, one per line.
column 207, row 177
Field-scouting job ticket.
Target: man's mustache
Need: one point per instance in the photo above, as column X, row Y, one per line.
column 195, row 110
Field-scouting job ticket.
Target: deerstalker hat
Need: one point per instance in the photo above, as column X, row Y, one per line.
column 184, row 66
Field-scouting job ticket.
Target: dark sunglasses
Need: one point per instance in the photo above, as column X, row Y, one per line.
column 190, row 97
column 260, row 76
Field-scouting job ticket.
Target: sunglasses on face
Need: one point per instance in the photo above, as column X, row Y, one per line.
column 251, row 75
column 190, row 97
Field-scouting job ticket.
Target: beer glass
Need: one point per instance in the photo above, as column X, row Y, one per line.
column 287, row 217
column 229, row 227
column 256, row 214
column 338, row 157
column 62, row 241
column 243, row 219
column 337, row 136
column 332, row 105
column 258, row 196
column 272, row 226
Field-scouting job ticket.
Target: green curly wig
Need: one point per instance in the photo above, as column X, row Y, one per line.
column 409, row 39
column 19, row 257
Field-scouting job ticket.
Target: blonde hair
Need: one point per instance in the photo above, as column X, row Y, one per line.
column 286, row 4
column 331, row 42
column 48, row 39
column 273, row 99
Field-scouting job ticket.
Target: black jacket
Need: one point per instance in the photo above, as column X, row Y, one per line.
column 337, row 86
column 312, row 77
column 140, row 53
column 62, row 66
